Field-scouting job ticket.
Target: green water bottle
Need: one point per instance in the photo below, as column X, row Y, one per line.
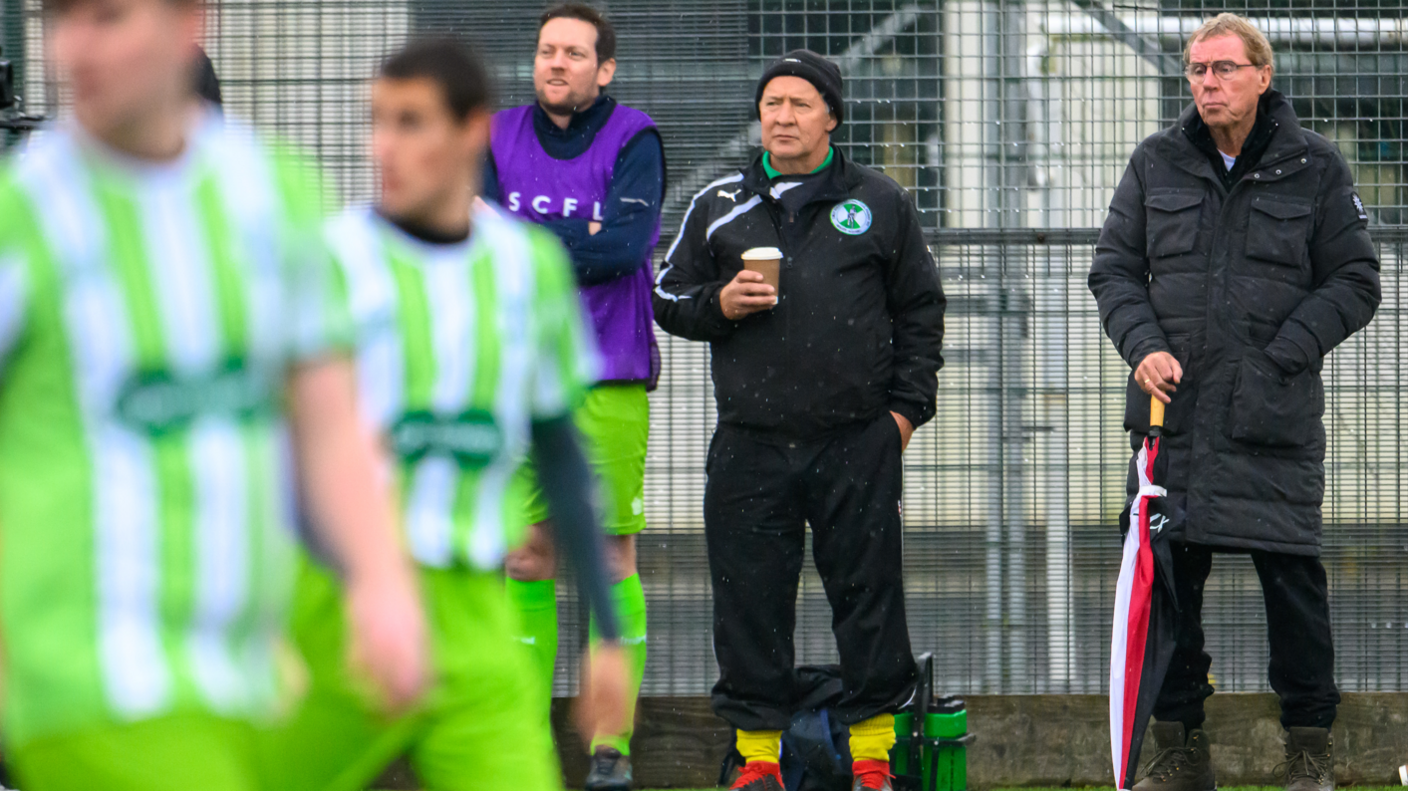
column 931, row 757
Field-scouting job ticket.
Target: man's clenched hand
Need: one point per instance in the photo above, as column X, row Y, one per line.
column 1158, row 375
column 746, row 294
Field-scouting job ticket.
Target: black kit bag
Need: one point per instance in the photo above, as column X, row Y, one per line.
column 816, row 754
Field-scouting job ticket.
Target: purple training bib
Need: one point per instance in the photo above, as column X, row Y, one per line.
column 538, row 188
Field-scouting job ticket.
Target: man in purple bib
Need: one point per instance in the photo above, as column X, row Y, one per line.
column 593, row 172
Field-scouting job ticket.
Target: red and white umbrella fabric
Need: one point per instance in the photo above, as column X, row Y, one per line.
column 1144, row 628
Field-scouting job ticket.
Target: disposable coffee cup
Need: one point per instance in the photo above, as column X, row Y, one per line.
column 767, row 262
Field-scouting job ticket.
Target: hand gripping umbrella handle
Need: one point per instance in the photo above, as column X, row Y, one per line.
column 1156, row 417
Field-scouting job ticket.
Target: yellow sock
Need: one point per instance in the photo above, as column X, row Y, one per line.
column 760, row 745
column 872, row 739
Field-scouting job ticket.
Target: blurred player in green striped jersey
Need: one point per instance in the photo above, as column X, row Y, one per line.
column 472, row 351
column 169, row 343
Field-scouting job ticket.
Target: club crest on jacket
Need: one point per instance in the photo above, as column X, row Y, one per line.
column 851, row 217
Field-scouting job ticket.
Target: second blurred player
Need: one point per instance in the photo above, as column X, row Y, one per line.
column 471, row 350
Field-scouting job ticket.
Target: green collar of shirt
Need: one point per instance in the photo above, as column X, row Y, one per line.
column 772, row 172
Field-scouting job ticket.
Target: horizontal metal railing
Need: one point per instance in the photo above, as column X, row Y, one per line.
column 1075, row 237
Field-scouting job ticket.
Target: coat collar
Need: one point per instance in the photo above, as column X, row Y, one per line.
column 1287, row 147
column 832, row 184
column 573, row 141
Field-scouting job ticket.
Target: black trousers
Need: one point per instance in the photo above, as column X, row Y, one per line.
column 1302, row 654
column 761, row 494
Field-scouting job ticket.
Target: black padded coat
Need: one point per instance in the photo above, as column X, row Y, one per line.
column 1249, row 288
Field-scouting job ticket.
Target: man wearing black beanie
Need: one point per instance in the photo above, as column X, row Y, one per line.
column 820, row 72
column 821, row 374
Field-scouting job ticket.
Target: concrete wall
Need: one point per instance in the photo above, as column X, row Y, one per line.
column 1064, row 740
column 1037, row 740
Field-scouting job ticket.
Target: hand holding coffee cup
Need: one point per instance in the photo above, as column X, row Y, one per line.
column 753, row 289
column 766, row 261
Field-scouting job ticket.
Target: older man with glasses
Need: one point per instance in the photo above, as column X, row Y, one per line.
column 1236, row 255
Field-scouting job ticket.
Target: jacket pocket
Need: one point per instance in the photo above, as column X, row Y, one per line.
column 892, row 431
column 1276, row 231
column 1171, row 221
column 1273, row 409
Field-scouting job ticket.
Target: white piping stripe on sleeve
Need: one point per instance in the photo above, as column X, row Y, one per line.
column 660, row 288
column 690, row 210
column 731, row 216
column 660, row 279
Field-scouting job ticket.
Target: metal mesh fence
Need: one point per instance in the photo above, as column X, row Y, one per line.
column 1010, row 123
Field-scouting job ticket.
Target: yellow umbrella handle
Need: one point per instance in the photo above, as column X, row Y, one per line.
column 1156, row 416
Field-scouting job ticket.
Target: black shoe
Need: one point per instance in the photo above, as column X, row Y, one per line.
column 1310, row 760
column 1182, row 764
column 611, row 771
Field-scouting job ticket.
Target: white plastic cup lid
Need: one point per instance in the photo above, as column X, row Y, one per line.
column 762, row 254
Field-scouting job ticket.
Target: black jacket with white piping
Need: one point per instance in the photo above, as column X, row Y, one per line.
column 859, row 321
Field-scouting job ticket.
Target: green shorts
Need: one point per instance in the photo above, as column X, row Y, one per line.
column 172, row 753
column 478, row 727
column 614, row 421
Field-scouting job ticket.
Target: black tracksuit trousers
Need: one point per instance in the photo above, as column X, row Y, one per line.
column 761, row 494
column 1302, row 655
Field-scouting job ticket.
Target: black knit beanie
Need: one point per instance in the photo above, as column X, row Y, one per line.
column 814, row 69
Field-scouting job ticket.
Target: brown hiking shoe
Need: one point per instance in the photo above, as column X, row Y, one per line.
column 1182, row 764
column 1310, row 760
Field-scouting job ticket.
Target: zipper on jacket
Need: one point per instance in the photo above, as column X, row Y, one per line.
column 785, row 264
column 782, row 237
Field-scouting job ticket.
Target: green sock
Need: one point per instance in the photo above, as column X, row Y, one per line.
column 536, row 605
column 629, row 598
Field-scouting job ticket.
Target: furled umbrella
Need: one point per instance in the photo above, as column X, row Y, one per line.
column 1145, row 628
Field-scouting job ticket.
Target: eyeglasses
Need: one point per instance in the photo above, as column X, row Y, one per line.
column 1224, row 69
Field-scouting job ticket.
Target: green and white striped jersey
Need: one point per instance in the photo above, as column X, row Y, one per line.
column 149, row 315
column 460, row 348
